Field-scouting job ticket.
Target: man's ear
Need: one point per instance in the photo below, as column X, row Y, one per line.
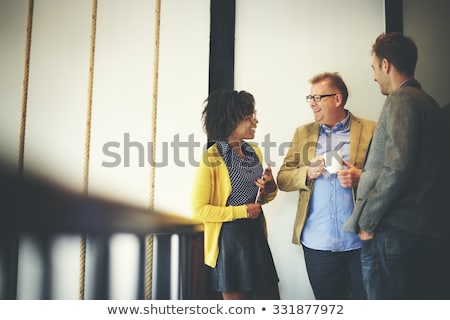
column 338, row 98
column 385, row 65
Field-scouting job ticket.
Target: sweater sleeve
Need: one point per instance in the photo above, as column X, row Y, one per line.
column 209, row 195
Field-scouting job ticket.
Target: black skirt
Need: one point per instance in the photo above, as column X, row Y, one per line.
column 245, row 261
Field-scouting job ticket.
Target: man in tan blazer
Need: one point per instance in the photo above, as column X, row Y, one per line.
column 326, row 196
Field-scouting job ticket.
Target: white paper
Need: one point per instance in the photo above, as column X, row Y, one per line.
column 333, row 161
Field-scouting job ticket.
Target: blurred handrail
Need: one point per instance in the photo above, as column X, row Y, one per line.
column 35, row 206
column 32, row 204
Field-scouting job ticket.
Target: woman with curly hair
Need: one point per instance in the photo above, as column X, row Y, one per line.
column 229, row 189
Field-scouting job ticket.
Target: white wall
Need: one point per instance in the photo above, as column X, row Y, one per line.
column 12, row 39
column 279, row 46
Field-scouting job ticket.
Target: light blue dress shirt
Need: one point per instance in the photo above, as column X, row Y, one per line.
column 331, row 204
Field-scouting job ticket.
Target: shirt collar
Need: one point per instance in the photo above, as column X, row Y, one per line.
column 410, row 82
column 223, row 147
column 340, row 126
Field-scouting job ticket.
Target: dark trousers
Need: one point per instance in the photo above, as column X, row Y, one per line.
column 400, row 265
column 335, row 275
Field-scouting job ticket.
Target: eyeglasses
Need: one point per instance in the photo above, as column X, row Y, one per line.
column 251, row 117
column 318, row 97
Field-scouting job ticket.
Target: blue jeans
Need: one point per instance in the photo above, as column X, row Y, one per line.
column 400, row 265
column 335, row 275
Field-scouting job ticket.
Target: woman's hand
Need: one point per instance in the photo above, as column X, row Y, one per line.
column 253, row 210
column 266, row 183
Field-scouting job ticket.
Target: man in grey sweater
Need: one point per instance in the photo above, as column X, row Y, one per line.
column 397, row 212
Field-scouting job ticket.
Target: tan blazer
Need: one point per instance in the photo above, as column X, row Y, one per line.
column 292, row 174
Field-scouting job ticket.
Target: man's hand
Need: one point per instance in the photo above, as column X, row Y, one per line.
column 315, row 170
column 349, row 178
column 363, row 235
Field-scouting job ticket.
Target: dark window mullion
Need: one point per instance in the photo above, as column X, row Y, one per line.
column 394, row 15
column 221, row 54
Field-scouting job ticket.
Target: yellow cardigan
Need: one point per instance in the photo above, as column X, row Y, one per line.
column 212, row 187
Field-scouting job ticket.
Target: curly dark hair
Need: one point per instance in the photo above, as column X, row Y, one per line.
column 224, row 110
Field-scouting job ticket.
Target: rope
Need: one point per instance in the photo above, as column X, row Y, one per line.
column 149, row 238
column 87, row 144
column 23, row 117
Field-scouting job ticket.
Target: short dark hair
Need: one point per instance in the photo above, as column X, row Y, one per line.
column 399, row 50
column 335, row 80
column 224, row 110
